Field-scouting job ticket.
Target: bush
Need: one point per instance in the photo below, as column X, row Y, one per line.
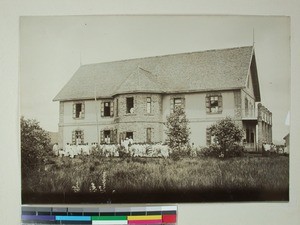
column 210, row 151
column 216, row 152
column 35, row 146
column 228, row 136
column 178, row 133
column 236, row 151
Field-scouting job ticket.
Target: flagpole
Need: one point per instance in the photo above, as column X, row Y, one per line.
column 96, row 108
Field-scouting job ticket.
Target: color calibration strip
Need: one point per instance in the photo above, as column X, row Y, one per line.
column 105, row 216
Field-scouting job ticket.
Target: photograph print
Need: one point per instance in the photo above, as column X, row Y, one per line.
column 154, row 109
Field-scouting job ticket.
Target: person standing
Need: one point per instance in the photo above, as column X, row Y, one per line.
column 55, row 149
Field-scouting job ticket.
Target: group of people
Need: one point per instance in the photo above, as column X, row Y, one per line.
column 111, row 150
column 271, row 148
column 127, row 143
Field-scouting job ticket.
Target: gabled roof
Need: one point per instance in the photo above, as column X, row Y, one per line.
column 139, row 81
column 211, row 70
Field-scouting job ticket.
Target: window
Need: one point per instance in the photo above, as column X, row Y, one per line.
column 177, row 102
column 107, row 136
column 129, row 135
column 129, row 105
column 149, row 135
column 107, row 108
column 148, row 106
column 77, row 137
column 214, row 103
column 78, row 110
column 210, row 139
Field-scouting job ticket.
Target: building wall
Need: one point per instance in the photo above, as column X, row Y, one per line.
column 264, row 125
column 249, row 85
column 92, row 112
column 138, row 121
column 195, row 107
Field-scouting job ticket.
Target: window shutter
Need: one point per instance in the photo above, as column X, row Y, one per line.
column 101, row 136
column 117, row 107
column 111, row 109
column 171, row 105
column 82, row 110
column 111, row 135
column 120, row 137
column 74, row 110
column 207, row 103
column 115, row 136
column 73, row 137
column 220, row 104
column 82, row 136
column 183, row 102
column 208, row 136
column 102, row 108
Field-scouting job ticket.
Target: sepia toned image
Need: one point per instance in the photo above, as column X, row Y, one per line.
column 154, row 109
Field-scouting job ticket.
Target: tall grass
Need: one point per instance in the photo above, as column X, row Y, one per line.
column 153, row 175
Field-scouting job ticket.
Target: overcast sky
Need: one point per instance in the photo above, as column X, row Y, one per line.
column 52, row 49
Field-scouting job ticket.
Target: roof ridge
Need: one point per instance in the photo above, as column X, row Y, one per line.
column 210, row 70
column 175, row 54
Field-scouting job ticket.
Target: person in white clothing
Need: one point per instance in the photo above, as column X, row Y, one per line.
column 55, row 149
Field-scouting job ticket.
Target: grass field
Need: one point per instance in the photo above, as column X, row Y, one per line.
column 156, row 175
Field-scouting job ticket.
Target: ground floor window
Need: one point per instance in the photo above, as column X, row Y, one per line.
column 129, row 135
column 78, row 137
column 210, row 139
column 149, row 139
column 108, row 136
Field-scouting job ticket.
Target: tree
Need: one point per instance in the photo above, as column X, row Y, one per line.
column 178, row 133
column 35, row 145
column 228, row 135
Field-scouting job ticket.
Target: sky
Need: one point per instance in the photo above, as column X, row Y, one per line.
column 53, row 48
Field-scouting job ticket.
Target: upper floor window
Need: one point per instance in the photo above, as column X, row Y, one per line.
column 148, row 106
column 78, row 110
column 177, row 102
column 130, row 105
column 214, row 103
column 117, row 107
column 107, row 108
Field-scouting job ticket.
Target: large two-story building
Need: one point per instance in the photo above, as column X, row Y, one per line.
column 132, row 98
